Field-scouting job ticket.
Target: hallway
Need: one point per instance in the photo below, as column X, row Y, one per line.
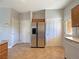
column 23, row 52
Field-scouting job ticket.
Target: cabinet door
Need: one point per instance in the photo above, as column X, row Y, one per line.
column 4, row 47
column 75, row 16
column 4, row 51
column 4, row 55
column 71, row 49
column 0, row 51
column 0, row 55
column 41, row 34
column 0, row 48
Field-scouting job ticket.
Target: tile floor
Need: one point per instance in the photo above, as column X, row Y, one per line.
column 23, row 52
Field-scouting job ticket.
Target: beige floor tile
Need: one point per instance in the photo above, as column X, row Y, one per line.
column 23, row 52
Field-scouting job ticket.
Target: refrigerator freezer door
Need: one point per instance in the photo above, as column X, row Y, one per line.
column 34, row 41
column 34, row 44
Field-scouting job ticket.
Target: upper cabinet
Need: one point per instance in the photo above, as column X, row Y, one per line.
column 75, row 16
column 38, row 14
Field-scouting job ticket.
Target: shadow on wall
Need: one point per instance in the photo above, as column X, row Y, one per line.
column 13, row 38
column 53, row 32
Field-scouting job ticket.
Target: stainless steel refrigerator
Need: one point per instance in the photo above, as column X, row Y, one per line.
column 38, row 34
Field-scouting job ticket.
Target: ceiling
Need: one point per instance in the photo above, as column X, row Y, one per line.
column 32, row 5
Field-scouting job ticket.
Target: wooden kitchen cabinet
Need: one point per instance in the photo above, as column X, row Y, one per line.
column 4, row 51
column 75, row 16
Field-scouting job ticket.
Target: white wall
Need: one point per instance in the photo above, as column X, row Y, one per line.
column 54, row 30
column 4, row 23
column 9, row 26
column 25, row 27
column 14, row 27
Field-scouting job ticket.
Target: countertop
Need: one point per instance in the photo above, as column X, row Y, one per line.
column 74, row 39
column 3, row 42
